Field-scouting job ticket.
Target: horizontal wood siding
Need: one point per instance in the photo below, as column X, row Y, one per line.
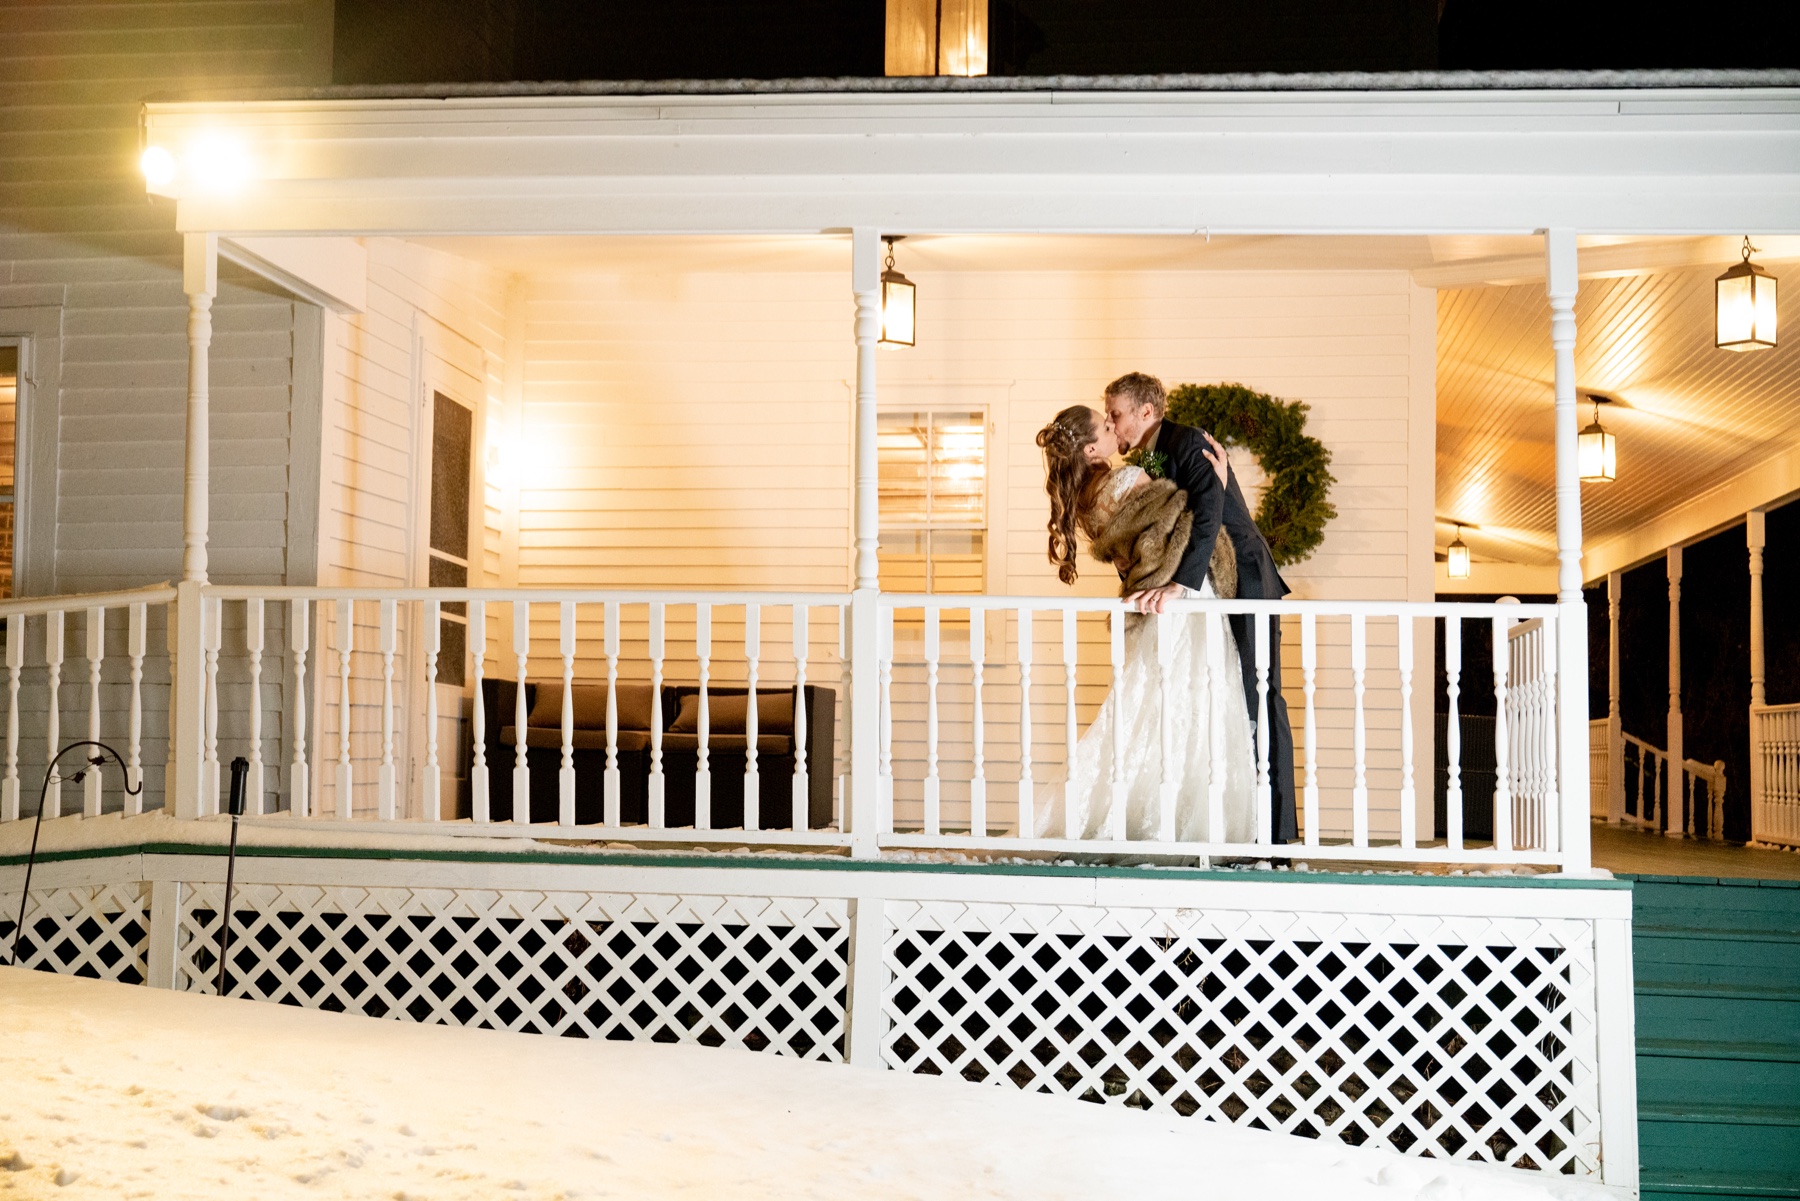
column 77, row 234
column 694, row 431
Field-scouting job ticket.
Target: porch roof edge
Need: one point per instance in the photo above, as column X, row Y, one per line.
column 1258, row 81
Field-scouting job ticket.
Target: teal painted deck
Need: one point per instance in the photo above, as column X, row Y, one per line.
column 1717, row 965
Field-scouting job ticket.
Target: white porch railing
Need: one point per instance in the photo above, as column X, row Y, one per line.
column 1775, row 760
column 625, row 715
column 1600, row 769
column 967, row 762
column 62, row 686
column 1672, row 804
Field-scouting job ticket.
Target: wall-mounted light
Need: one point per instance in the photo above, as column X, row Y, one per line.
column 1596, row 451
column 1457, row 560
column 1744, row 306
column 213, row 163
column 158, row 166
column 898, row 297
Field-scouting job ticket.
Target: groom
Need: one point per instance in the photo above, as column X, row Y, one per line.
column 1134, row 405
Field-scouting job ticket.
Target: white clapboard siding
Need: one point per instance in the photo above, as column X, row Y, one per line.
column 434, row 321
column 693, row 430
column 78, row 236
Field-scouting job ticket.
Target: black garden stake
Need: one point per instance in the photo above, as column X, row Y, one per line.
column 240, row 775
column 93, row 764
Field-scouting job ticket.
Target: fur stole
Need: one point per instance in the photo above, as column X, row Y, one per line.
column 1148, row 535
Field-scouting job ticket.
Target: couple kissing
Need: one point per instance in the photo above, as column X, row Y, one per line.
column 1173, row 522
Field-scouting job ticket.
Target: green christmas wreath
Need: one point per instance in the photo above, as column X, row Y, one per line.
column 1295, row 504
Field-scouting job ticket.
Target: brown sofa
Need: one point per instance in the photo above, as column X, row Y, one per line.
column 726, row 742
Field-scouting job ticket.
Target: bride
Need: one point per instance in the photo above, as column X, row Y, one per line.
column 1140, row 526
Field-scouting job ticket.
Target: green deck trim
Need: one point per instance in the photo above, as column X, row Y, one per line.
column 813, row 863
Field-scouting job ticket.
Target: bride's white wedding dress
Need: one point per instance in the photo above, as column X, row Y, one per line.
column 1205, row 690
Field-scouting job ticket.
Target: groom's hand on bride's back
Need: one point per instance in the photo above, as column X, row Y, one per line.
column 1215, row 454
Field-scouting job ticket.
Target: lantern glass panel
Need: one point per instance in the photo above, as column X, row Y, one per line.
column 1745, row 297
column 1597, row 454
column 1458, row 560
column 897, row 297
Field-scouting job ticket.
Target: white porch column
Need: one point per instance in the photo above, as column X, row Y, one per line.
column 1678, row 817
column 863, row 807
column 200, row 280
column 1615, row 726
column 1754, row 536
column 1571, row 621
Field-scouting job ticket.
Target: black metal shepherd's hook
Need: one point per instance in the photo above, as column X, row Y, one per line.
column 93, row 764
column 240, row 774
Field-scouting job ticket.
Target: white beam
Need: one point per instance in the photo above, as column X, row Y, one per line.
column 1765, row 486
column 1597, row 262
column 332, row 273
column 1668, row 162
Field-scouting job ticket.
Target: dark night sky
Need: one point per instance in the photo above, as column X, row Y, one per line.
column 447, row 41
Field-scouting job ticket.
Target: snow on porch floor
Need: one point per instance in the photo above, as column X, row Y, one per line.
column 119, row 1091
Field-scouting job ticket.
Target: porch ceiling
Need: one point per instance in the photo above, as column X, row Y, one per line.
column 1691, row 420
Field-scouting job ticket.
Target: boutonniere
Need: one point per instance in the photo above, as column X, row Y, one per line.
column 1154, row 462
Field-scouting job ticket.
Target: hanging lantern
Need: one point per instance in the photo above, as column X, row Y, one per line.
column 1458, row 558
column 897, row 302
column 1596, row 451
column 1744, row 305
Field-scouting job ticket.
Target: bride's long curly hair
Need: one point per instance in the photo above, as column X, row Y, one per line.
column 1071, row 481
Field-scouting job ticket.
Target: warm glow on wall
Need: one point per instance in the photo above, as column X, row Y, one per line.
column 937, row 37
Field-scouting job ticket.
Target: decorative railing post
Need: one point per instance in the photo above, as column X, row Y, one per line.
column 1571, row 626
column 1615, row 726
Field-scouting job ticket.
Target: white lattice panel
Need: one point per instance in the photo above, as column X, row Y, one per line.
column 765, row 973
column 96, row 930
column 1465, row 1037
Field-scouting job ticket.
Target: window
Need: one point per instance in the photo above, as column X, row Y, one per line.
column 452, row 443
column 933, row 478
column 9, row 438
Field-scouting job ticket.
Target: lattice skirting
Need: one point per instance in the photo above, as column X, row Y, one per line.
column 1467, row 1038
column 766, row 973
column 97, row 930
column 1448, row 1036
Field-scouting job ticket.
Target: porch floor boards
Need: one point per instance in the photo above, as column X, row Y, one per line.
column 1642, row 853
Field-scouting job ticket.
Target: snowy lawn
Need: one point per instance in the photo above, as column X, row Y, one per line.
column 116, row 1091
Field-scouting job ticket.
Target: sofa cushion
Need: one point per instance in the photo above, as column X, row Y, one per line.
column 729, row 714
column 580, row 739
column 635, row 702
column 766, row 744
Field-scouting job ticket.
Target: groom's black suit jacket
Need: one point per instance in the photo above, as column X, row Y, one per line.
column 1222, row 507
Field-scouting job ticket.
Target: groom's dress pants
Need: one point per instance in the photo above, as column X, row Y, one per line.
column 1283, row 827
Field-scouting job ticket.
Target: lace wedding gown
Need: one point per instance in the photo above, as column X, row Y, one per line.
column 1207, row 697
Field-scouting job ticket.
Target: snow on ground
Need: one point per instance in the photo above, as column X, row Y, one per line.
column 118, row 1091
